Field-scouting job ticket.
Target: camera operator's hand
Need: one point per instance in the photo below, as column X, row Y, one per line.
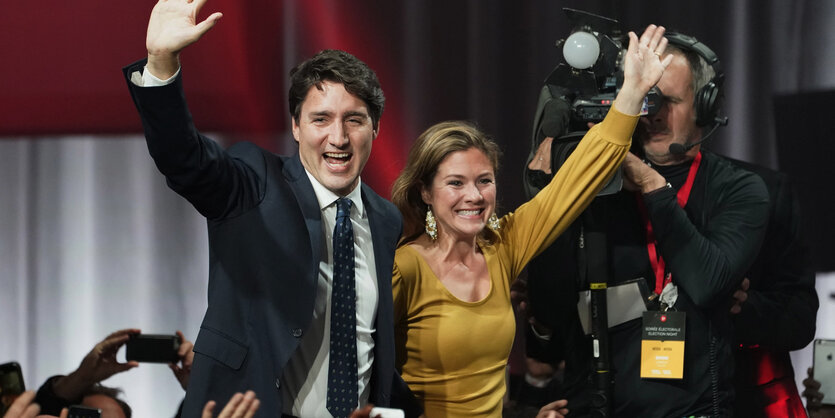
column 642, row 68
column 638, row 176
column 182, row 371
column 99, row 364
column 542, row 159
column 740, row 296
column 814, row 398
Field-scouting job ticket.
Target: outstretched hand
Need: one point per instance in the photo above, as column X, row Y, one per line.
column 172, row 27
column 99, row 364
column 642, row 68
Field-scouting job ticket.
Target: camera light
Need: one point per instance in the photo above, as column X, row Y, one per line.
column 581, row 50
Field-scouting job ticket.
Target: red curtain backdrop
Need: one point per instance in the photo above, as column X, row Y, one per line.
column 61, row 72
column 479, row 60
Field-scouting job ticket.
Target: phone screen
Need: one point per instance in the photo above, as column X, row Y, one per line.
column 11, row 385
column 153, row 348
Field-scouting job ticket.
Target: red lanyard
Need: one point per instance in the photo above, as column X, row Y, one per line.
column 682, row 196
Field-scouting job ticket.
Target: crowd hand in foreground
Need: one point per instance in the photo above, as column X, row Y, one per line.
column 556, row 409
column 814, row 398
column 239, row 406
column 99, row 364
column 182, row 369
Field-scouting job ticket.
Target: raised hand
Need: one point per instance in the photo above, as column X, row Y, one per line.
column 642, row 68
column 182, row 370
column 173, row 26
column 99, row 364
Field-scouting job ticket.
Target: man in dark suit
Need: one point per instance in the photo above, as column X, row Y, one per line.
column 270, row 220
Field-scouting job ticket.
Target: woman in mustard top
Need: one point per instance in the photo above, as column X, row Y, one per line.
column 452, row 273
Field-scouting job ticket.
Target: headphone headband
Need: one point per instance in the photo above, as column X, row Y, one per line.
column 707, row 101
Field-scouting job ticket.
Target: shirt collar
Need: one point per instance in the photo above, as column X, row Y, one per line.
column 326, row 197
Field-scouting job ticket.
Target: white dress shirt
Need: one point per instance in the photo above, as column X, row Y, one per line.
column 305, row 381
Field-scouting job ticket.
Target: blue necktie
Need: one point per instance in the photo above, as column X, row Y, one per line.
column 342, row 371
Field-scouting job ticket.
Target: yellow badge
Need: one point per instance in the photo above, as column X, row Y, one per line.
column 662, row 345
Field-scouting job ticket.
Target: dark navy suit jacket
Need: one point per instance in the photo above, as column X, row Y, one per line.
column 265, row 245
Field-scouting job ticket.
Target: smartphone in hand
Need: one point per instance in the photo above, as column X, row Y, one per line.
column 11, row 385
column 153, row 348
column 824, row 366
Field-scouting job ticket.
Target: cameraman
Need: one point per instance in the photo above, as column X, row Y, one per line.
column 701, row 218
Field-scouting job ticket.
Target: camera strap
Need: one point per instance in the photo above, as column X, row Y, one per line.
column 662, row 278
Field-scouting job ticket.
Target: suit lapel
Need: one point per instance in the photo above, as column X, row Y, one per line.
column 303, row 190
column 383, row 232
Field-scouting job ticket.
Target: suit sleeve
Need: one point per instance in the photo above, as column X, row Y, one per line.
column 196, row 167
column 782, row 304
column 709, row 263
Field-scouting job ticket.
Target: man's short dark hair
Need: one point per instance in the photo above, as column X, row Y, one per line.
column 339, row 67
column 112, row 393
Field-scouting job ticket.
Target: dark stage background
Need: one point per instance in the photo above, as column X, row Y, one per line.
column 478, row 60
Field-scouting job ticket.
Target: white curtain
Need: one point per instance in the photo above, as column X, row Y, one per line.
column 92, row 241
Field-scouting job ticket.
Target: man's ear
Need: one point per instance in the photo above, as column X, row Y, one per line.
column 295, row 128
column 375, row 131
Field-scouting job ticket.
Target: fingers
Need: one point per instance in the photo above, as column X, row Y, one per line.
column 556, row 409
column 667, row 60
column 542, row 159
column 633, row 42
column 811, row 384
column 127, row 332
column 657, row 40
column 207, row 410
column 207, row 24
column 65, row 413
column 115, row 340
column 240, row 406
column 653, row 39
column 186, row 351
column 362, row 412
column 746, row 284
column 231, row 405
column 23, row 407
column 648, row 37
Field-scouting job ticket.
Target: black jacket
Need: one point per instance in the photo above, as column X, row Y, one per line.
column 708, row 245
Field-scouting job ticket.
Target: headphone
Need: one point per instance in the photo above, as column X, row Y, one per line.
column 708, row 100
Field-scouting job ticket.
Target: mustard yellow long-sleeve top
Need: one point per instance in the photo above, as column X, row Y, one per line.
column 453, row 353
